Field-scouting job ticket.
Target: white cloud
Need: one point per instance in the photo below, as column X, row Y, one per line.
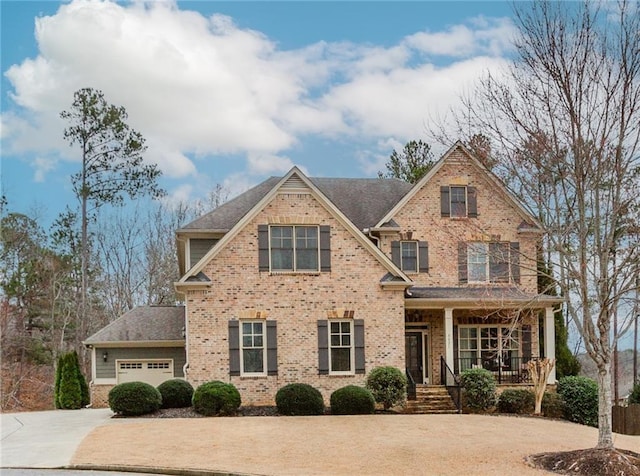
column 198, row 86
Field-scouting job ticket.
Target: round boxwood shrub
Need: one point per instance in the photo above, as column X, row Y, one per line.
column 299, row 399
column 552, row 405
column 580, row 396
column 216, row 398
column 388, row 386
column 516, row 400
column 352, row 400
column 134, row 398
column 176, row 393
column 479, row 387
column 634, row 397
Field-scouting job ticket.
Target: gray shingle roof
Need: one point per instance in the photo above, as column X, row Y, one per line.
column 145, row 323
column 363, row 201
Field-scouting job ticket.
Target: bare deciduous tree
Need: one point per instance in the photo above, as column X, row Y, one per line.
column 566, row 122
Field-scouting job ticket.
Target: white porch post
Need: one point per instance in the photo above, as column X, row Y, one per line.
column 550, row 340
column 448, row 336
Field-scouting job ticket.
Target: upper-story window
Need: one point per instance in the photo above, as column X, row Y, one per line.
column 489, row 262
column 294, row 248
column 410, row 256
column 458, row 201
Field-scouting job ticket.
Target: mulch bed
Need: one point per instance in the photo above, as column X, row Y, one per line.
column 589, row 462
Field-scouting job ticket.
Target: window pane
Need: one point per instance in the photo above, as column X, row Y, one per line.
column 499, row 262
column 341, row 360
column 477, row 262
column 307, row 259
column 281, row 259
column 307, row 248
column 253, row 360
column 282, row 247
column 346, row 340
column 335, row 327
column 246, row 328
column 335, row 340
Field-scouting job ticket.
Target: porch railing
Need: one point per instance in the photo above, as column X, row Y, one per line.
column 411, row 386
column 505, row 369
column 452, row 382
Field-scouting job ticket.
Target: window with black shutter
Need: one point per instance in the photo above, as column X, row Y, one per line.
column 294, row 248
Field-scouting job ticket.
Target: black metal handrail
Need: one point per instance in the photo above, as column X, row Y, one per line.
column 452, row 382
column 411, row 386
column 506, row 369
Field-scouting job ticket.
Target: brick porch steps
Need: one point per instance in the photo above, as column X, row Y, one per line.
column 431, row 399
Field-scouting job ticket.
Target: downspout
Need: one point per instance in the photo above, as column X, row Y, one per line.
column 185, row 367
column 368, row 232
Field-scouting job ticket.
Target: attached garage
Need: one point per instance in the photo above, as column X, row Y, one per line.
column 146, row 344
column 153, row 372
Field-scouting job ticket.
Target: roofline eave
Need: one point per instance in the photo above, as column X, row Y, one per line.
column 475, row 303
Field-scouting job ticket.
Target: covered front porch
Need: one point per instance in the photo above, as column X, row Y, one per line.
column 449, row 330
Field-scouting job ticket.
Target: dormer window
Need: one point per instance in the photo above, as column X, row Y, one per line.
column 458, row 201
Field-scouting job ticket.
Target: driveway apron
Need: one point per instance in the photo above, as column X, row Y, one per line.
column 46, row 439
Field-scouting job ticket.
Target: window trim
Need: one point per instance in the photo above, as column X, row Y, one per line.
column 242, row 348
column 508, row 263
column 466, row 201
column 416, row 257
column 519, row 350
column 352, row 349
column 294, row 251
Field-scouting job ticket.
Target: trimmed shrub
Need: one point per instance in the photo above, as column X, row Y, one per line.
column 634, row 396
column 134, row 398
column 580, row 396
column 519, row 400
column 70, row 391
column 388, row 386
column 552, row 405
column 299, row 399
column 352, row 400
column 176, row 393
column 479, row 387
column 216, row 399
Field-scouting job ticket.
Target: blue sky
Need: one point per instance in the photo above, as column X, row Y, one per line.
column 234, row 92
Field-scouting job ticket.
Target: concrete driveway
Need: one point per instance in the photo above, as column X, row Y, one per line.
column 46, row 439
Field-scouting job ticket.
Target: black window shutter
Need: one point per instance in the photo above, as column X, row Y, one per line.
column 323, row 347
column 234, row 347
column 325, row 248
column 272, row 348
column 263, row 247
column 472, row 202
column 358, row 334
column 395, row 253
column 463, row 276
column 515, row 261
column 456, row 363
column 526, row 343
column 423, row 256
column 445, row 205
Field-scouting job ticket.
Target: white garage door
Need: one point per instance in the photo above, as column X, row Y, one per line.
column 153, row 372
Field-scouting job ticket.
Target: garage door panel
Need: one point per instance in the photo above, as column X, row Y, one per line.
column 151, row 372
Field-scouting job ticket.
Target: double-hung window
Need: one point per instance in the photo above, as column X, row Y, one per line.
column 341, row 347
column 492, row 262
column 253, row 348
column 409, row 256
column 294, row 248
column 458, row 197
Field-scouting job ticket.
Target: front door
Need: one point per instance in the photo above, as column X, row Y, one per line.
column 416, row 355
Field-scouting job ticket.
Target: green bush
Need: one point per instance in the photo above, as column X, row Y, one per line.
column 634, row 396
column 134, row 398
column 518, row 400
column 85, row 397
column 552, row 405
column 176, row 393
column 479, row 387
column 388, row 386
column 580, row 396
column 216, row 398
column 352, row 400
column 299, row 399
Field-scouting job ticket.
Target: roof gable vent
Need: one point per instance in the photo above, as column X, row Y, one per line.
column 294, row 182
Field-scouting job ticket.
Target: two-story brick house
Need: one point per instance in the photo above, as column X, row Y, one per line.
column 319, row 280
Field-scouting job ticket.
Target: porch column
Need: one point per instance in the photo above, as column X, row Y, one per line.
column 550, row 340
column 448, row 336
